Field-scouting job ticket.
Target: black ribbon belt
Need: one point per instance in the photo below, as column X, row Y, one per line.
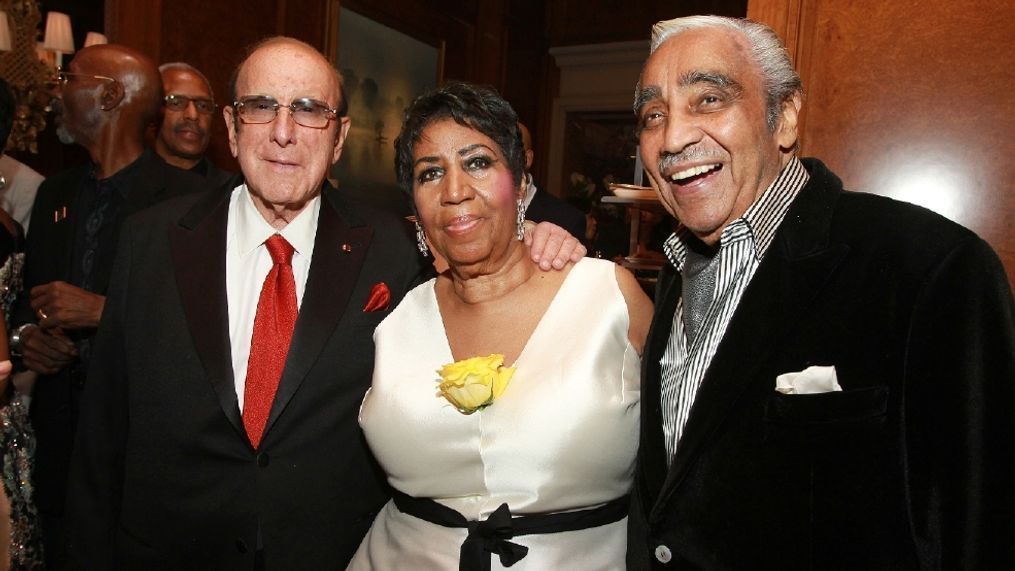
column 492, row 534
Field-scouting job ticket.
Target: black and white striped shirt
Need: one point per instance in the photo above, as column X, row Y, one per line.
column 742, row 245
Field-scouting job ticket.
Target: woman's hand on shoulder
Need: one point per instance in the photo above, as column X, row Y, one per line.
column 639, row 307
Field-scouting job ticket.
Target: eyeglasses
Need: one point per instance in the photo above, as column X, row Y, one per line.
column 305, row 111
column 180, row 103
column 63, row 77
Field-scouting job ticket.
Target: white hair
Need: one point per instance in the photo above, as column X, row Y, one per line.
column 781, row 81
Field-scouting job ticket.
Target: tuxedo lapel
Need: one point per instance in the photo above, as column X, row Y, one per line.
column 199, row 262
column 339, row 251
column 792, row 275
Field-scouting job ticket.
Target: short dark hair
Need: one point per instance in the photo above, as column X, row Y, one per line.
column 477, row 107
column 185, row 67
column 8, row 108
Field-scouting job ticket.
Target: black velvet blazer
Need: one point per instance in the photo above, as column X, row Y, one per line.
column 907, row 468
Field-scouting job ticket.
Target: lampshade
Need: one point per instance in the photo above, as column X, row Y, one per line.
column 58, row 33
column 5, row 33
column 95, row 38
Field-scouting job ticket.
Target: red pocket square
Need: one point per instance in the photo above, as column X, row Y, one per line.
column 380, row 298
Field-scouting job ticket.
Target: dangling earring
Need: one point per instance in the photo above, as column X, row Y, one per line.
column 421, row 240
column 520, row 222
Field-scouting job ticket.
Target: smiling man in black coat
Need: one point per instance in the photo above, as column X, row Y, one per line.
column 829, row 381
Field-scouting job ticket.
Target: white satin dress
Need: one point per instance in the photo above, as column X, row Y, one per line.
column 562, row 437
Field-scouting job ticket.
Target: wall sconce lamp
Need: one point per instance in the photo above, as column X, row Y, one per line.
column 59, row 38
column 25, row 73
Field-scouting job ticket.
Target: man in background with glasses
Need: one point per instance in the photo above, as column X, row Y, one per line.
column 188, row 109
column 105, row 100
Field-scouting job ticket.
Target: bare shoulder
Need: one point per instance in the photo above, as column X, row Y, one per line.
column 639, row 307
column 629, row 286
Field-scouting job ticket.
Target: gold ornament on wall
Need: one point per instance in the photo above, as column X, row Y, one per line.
column 30, row 78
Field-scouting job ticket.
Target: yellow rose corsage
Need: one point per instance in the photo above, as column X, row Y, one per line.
column 473, row 384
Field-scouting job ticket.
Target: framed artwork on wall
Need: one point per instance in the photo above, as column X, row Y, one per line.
column 384, row 70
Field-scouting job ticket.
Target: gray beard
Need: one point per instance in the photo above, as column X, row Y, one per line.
column 64, row 135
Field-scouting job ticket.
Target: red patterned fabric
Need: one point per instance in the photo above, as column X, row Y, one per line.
column 273, row 330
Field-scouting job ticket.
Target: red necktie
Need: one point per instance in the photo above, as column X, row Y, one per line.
column 273, row 329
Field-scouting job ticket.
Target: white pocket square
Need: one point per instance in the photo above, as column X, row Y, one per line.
column 809, row 381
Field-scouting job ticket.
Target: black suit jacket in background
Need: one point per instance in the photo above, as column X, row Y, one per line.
column 164, row 476
column 908, row 467
column 218, row 178
column 48, row 257
column 549, row 208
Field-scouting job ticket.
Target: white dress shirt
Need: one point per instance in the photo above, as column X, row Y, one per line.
column 18, row 195
column 530, row 191
column 248, row 263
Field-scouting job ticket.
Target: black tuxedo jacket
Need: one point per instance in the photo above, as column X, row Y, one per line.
column 218, row 178
column 549, row 208
column 164, row 476
column 907, row 468
column 48, row 258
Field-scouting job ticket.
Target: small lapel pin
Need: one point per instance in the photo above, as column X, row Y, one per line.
column 346, row 248
column 60, row 214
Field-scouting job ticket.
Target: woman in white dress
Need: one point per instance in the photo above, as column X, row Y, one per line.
column 533, row 474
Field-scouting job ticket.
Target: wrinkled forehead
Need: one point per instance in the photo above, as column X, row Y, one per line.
column 286, row 72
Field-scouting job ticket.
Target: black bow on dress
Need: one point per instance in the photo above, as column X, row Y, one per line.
column 491, row 536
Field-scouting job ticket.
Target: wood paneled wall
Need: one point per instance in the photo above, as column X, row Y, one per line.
column 574, row 22
column 912, row 100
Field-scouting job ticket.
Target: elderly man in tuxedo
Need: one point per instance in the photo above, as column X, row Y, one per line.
column 220, row 428
column 829, row 381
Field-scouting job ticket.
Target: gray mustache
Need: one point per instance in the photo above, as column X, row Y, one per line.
column 692, row 154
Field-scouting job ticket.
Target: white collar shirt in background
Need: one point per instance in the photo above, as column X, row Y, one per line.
column 530, row 191
column 18, row 195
